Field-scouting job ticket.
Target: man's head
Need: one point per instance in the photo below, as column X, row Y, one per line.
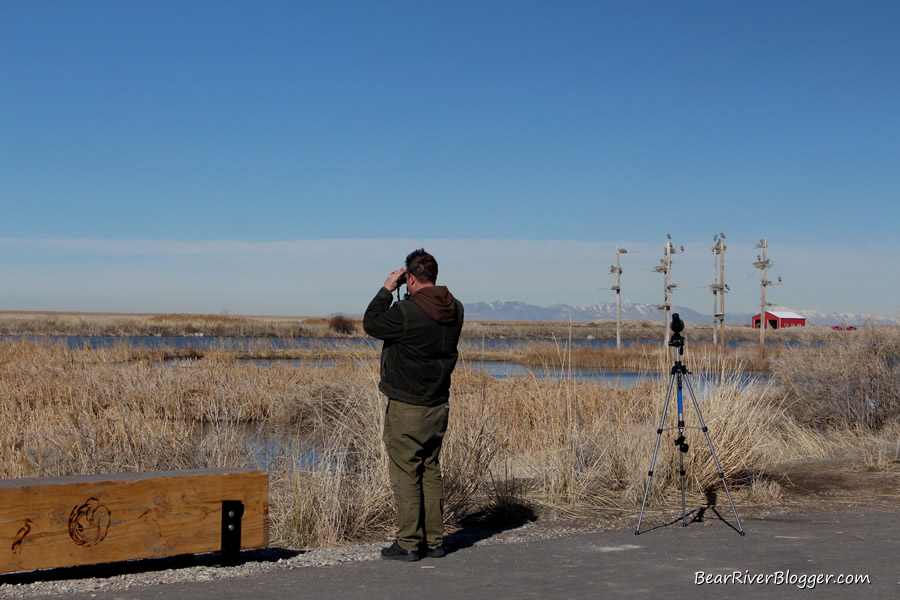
column 422, row 267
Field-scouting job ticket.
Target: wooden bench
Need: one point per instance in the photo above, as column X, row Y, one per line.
column 50, row 522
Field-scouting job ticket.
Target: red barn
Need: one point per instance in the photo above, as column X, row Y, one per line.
column 777, row 319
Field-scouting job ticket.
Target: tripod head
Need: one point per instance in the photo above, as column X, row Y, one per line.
column 677, row 326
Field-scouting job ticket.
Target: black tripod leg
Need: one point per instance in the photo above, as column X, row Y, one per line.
column 682, row 447
column 715, row 458
column 659, row 431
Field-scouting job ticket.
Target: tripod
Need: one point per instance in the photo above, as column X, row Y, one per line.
column 679, row 375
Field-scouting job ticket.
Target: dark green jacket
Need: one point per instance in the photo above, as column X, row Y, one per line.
column 420, row 336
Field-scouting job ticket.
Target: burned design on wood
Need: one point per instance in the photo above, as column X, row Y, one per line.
column 89, row 523
column 20, row 536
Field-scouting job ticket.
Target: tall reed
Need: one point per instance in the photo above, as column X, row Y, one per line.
column 852, row 382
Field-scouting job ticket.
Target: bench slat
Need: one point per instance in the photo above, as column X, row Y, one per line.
column 86, row 519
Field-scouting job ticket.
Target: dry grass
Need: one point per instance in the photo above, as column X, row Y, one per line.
column 174, row 325
column 634, row 357
column 555, row 444
column 605, row 329
column 100, row 324
column 851, row 383
column 580, row 444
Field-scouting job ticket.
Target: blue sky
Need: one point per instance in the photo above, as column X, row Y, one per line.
column 283, row 157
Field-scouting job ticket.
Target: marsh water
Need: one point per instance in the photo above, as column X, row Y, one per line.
column 497, row 369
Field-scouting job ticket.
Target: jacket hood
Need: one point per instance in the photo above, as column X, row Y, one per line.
column 437, row 302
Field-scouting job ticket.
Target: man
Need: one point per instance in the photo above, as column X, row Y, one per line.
column 420, row 336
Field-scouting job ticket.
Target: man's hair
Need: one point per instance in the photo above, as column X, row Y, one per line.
column 422, row 265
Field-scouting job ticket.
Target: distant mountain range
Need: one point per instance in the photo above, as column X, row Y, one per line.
column 506, row 310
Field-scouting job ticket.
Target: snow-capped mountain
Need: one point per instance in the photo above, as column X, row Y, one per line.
column 815, row 317
column 519, row 311
column 506, row 310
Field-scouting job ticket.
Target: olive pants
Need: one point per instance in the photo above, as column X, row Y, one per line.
column 413, row 436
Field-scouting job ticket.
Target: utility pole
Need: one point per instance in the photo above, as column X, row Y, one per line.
column 722, row 248
column 718, row 289
column 762, row 263
column 664, row 267
column 617, row 269
column 715, row 287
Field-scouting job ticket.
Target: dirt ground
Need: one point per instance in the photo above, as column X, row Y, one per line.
column 808, row 487
column 830, row 484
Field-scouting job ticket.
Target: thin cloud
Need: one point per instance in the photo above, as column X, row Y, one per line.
column 340, row 275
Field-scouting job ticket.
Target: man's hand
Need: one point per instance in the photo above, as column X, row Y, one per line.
column 391, row 282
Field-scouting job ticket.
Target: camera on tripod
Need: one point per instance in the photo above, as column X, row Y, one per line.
column 680, row 375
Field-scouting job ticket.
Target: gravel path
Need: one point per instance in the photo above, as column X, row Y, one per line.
column 176, row 570
column 207, row 567
column 858, row 488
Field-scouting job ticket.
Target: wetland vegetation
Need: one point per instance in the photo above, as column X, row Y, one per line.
column 551, row 445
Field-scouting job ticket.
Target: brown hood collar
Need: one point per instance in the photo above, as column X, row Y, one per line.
column 437, row 302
